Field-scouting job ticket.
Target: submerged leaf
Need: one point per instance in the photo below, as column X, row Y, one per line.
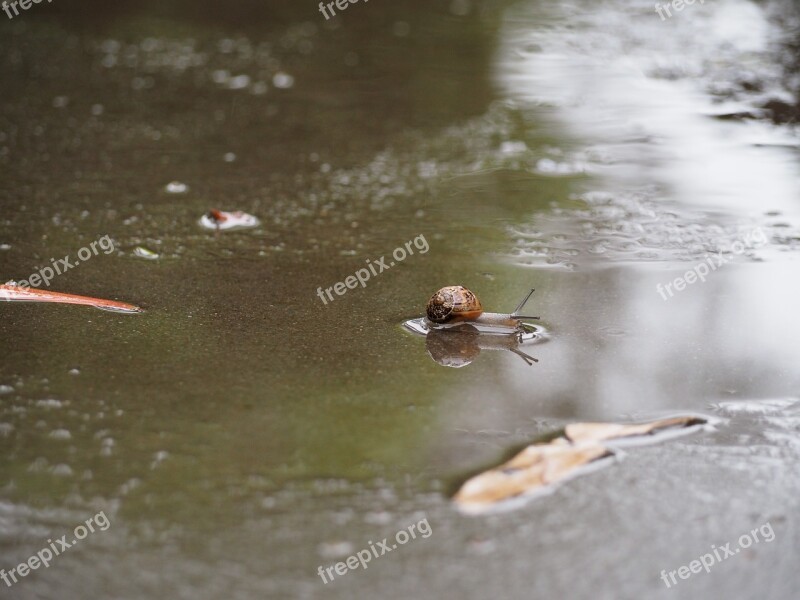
column 539, row 467
column 11, row 292
column 599, row 432
column 535, row 467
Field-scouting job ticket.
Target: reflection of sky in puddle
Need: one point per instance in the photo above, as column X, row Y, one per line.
column 609, row 84
column 672, row 184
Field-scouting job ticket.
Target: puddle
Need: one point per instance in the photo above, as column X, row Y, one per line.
column 243, row 433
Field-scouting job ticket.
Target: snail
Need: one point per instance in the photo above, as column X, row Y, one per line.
column 456, row 304
column 456, row 328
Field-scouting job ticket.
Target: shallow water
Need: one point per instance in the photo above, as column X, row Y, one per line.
column 240, row 433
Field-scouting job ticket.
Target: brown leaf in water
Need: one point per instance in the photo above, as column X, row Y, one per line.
column 541, row 465
column 535, row 467
column 599, row 432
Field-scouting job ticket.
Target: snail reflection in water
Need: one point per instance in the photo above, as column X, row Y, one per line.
column 458, row 348
column 457, row 328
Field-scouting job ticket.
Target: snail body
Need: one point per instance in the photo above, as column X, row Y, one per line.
column 456, row 304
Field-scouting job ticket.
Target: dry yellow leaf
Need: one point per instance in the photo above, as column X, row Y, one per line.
column 541, row 465
column 599, row 432
column 535, row 467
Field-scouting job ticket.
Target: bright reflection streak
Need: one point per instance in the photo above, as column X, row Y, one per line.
column 618, row 347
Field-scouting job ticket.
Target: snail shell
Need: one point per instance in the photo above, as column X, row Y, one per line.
column 453, row 302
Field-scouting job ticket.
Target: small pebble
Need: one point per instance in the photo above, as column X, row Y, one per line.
column 142, row 252
column 62, row 470
column 282, row 80
column 49, row 403
column 176, row 187
column 331, row 550
column 239, row 82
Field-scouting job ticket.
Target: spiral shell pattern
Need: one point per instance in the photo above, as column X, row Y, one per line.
column 451, row 302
